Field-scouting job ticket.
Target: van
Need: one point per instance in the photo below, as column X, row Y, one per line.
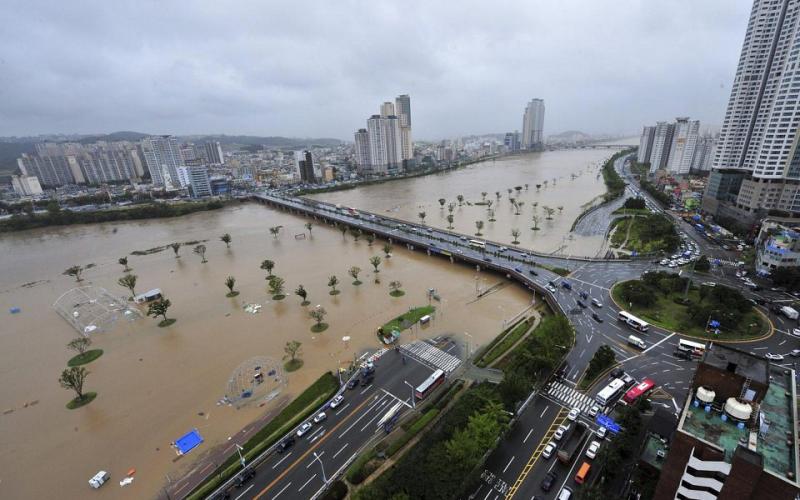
column 636, row 341
column 580, row 477
column 425, row 319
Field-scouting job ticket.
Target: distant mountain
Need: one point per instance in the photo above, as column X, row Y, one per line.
column 268, row 142
column 114, row 136
column 572, row 135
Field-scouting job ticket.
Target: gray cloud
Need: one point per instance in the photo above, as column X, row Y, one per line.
column 320, row 68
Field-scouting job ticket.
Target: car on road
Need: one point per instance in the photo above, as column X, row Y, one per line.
column 581, row 304
column 303, row 429
column 773, row 357
column 533, row 273
column 593, row 411
column 601, row 432
column 629, row 381
column 573, row 414
column 796, row 332
column 549, row 450
column 565, row 494
column 518, row 269
column 245, row 476
column 285, row 444
column 487, row 259
column 597, row 317
column 353, row 383
column 560, row 432
column 566, row 285
column 321, row 416
column 593, row 449
column 709, row 283
column 597, row 303
column 617, row 373
column 336, row 401
column 551, row 288
column 795, row 353
column 664, row 262
column 548, row 481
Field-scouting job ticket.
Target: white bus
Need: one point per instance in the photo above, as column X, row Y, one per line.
column 610, row 391
column 633, row 321
column 694, row 348
column 477, row 244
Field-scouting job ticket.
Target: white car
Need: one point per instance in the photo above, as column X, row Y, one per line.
column 593, row 449
column 551, row 288
column 320, row 417
column 795, row 353
column 573, row 414
column 303, row 429
column 549, row 450
column 597, row 303
column 664, row 262
column 601, row 432
column 593, row 411
column 796, row 332
column 336, row 401
column 774, row 357
column 560, row 432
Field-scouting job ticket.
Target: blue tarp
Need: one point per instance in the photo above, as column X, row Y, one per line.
column 188, row 441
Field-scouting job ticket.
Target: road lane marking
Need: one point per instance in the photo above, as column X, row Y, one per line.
column 362, row 416
column 315, row 459
column 562, row 414
column 340, row 450
column 529, row 433
column 310, row 450
column 282, row 459
column 284, row 489
column 508, row 464
column 306, row 483
column 244, row 492
column 544, row 411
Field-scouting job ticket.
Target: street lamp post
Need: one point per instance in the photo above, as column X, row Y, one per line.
column 316, row 457
column 469, row 344
column 241, row 457
column 413, row 398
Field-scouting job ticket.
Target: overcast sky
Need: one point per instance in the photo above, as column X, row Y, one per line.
column 319, row 69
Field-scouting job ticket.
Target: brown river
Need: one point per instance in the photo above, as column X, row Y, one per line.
column 154, row 384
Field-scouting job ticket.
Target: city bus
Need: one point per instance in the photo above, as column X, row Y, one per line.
column 477, row 244
column 633, row 321
column 610, row 391
column 638, row 390
column 430, row 384
column 694, row 348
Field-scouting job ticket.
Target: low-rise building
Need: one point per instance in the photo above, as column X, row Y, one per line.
column 777, row 246
column 737, row 433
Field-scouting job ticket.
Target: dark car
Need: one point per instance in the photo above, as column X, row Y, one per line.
column 566, row 285
column 352, row 384
column 548, row 481
column 581, row 304
column 597, row 317
column 562, row 370
column 617, row 373
column 775, row 308
column 682, row 355
column 584, row 295
column 285, row 444
column 487, row 259
column 367, row 380
column 534, row 273
column 245, row 476
column 518, row 269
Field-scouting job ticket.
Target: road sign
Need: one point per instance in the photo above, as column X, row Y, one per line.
column 607, row 422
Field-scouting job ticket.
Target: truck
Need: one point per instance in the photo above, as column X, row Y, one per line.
column 789, row 312
column 572, row 443
column 99, row 479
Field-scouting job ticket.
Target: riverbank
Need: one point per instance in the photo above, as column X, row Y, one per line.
column 59, row 217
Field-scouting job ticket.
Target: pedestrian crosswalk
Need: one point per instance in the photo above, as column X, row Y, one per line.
column 569, row 397
column 431, row 356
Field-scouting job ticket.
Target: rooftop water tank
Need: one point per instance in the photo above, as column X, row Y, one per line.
column 705, row 394
column 738, row 409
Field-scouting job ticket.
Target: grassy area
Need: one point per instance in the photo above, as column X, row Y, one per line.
column 652, row 233
column 672, row 316
column 408, row 318
column 293, row 365
column 86, row 357
column 631, row 211
column 295, row 412
column 85, row 400
column 507, row 339
column 558, row 270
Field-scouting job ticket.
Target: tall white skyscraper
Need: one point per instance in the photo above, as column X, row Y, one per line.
column 684, row 142
column 162, row 154
column 662, row 143
column 759, row 135
column 646, row 144
column 387, row 109
column 362, row 151
column 533, row 125
column 403, row 109
column 378, row 154
column 383, row 146
column 394, row 142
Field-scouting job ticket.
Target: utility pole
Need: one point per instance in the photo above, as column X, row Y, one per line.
column 413, row 398
column 324, row 478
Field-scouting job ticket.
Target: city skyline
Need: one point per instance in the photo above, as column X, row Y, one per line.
column 468, row 80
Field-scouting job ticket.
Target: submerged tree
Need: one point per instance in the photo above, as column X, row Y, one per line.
column 515, row 233
column 275, row 231
column 160, row 308
column 303, row 294
column 292, row 350
column 450, row 220
column 376, row 261
column 123, row 261
column 479, row 226
column 354, row 272
column 80, row 344
column 460, row 199
column 268, row 266
column 226, row 238
column 421, row 216
column 332, row 282
column 318, row 314
column 535, row 222
column 276, row 287
column 176, row 247
column 73, row 378
column 309, row 226
column 201, row 251
column 128, row 281
column 442, row 201
column 75, row 272
column 387, row 249
column 230, row 282
column 396, row 288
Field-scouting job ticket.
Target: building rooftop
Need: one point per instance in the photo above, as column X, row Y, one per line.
column 776, row 423
column 739, row 362
column 652, row 445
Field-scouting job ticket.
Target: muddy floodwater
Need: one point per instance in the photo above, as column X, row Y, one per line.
column 568, row 180
column 155, row 384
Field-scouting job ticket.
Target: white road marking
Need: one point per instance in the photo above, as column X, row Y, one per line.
column 508, row 464
column 529, row 433
column 284, row 489
column 340, row 450
column 244, row 492
column 306, row 483
column 281, row 460
column 314, row 460
column 543, row 412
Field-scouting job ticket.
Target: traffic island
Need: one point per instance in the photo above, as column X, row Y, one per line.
column 82, row 401
column 85, row 358
column 707, row 312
